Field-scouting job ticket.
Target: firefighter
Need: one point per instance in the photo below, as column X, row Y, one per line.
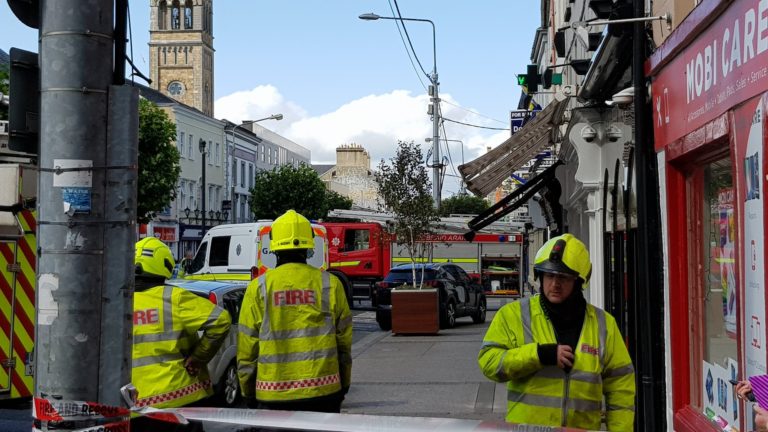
column 558, row 354
column 294, row 348
column 169, row 358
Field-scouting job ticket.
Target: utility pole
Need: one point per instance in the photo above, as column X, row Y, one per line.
column 435, row 108
column 86, row 207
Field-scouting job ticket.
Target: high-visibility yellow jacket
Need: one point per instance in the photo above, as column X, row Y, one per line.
column 295, row 335
column 166, row 321
column 546, row 395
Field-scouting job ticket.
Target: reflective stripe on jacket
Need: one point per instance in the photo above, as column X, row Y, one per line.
column 546, row 395
column 166, row 321
column 295, row 339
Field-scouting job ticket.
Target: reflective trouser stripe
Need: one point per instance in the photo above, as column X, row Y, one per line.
column 619, row 408
column 553, row 401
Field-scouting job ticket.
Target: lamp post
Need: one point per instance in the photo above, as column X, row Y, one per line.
column 201, row 146
column 434, row 108
column 234, row 162
column 462, row 156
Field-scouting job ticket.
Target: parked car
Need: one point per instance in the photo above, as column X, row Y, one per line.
column 459, row 295
column 223, row 366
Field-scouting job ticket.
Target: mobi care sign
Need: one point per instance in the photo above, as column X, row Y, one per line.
column 726, row 64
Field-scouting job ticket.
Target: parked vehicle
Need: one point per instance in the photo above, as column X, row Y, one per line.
column 459, row 295
column 362, row 253
column 223, row 366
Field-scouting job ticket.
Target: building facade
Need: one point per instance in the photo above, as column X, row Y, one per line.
column 352, row 176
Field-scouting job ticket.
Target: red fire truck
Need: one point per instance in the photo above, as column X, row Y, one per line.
column 362, row 253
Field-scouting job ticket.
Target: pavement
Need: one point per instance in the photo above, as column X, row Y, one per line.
column 392, row 375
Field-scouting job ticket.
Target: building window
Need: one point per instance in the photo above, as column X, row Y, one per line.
column 175, row 88
column 217, row 155
column 242, row 174
column 190, row 153
column 182, row 200
column 162, row 16
column 191, row 195
column 251, row 177
column 175, row 16
column 242, row 210
column 262, row 153
column 188, row 15
column 182, row 142
column 208, row 148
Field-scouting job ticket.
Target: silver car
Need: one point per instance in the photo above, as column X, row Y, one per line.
column 223, row 366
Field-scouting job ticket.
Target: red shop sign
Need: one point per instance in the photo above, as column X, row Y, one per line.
column 725, row 65
column 166, row 234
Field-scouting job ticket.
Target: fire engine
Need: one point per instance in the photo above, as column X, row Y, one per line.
column 362, row 253
column 18, row 247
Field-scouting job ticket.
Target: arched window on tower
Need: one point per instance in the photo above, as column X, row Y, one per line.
column 162, row 16
column 175, row 16
column 188, row 15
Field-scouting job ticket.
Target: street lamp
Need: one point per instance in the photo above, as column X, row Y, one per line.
column 234, row 162
column 434, row 108
column 462, row 155
column 187, row 211
column 201, row 146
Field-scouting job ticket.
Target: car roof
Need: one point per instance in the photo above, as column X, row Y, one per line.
column 419, row 266
column 206, row 286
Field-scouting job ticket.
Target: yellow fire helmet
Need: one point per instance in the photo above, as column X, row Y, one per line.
column 153, row 258
column 291, row 231
column 564, row 254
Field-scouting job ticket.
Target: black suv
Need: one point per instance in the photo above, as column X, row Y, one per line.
column 459, row 294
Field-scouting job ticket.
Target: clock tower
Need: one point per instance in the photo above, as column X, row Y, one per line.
column 181, row 51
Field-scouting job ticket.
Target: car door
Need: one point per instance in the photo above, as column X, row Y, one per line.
column 456, row 285
column 471, row 287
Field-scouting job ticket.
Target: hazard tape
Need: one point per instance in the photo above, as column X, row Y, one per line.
column 59, row 410
column 315, row 421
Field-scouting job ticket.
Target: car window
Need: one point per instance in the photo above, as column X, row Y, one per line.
column 461, row 275
column 197, row 263
column 406, row 275
column 451, row 273
column 219, row 251
column 232, row 302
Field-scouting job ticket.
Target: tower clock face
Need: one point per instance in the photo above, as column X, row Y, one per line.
column 176, row 88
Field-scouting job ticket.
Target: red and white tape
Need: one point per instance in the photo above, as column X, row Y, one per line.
column 60, row 410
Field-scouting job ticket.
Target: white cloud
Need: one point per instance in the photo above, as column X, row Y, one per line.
column 376, row 122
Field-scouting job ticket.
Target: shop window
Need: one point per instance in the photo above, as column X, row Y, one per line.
column 714, row 296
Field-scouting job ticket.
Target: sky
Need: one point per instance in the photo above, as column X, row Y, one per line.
column 341, row 80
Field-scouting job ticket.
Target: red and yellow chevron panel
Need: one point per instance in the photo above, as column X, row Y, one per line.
column 17, row 309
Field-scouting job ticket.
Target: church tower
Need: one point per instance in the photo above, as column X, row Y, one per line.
column 181, row 51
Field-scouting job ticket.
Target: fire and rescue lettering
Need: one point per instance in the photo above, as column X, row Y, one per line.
column 146, row 316
column 294, row 298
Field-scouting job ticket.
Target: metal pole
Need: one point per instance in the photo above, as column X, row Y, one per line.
column 435, row 124
column 83, row 323
column 202, row 190
column 648, row 242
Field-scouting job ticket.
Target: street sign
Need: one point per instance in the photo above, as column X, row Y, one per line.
column 518, row 118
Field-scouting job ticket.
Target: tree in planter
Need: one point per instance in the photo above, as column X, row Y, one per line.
column 159, row 167
column 404, row 189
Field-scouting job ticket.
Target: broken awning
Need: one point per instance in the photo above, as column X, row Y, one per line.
column 487, row 172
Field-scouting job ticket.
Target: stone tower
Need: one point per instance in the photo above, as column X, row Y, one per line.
column 181, row 51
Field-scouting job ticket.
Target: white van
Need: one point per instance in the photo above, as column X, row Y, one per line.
column 241, row 252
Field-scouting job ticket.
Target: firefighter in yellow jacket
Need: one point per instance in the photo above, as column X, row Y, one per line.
column 294, row 349
column 169, row 358
column 560, row 356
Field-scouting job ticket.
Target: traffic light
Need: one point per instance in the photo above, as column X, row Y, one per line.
column 24, row 107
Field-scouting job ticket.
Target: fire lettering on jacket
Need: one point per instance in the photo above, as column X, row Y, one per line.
column 146, row 316
column 589, row 349
column 293, row 297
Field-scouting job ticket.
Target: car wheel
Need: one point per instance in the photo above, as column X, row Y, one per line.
column 229, row 387
column 449, row 315
column 384, row 319
column 479, row 316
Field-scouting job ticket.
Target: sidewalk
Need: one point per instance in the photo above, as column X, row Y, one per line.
column 434, row 376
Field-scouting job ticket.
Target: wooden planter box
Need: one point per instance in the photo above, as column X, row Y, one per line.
column 415, row 311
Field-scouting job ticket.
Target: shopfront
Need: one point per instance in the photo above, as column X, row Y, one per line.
column 709, row 98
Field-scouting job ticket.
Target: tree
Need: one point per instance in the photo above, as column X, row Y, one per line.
column 405, row 190
column 287, row 187
column 463, row 204
column 337, row 201
column 159, row 167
